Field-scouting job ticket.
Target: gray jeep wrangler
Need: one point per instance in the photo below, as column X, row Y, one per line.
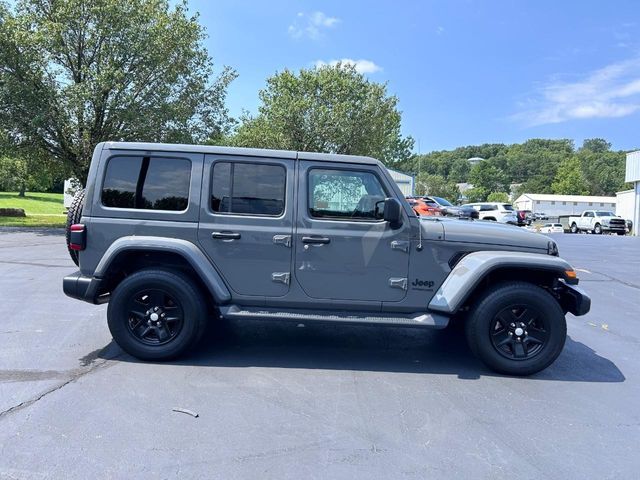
column 178, row 236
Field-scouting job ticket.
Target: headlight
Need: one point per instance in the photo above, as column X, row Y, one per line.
column 552, row 248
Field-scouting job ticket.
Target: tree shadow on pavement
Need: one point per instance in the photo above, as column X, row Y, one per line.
column 386, row 349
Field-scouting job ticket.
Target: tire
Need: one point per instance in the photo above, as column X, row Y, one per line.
column 73, row 216
column 175, row 295
column 621, row 233
column 574, row 228
column 597, row 229
column 507, row 304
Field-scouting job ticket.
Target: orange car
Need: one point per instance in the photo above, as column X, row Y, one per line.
column 424, row 208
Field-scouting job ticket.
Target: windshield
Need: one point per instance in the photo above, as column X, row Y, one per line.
column 603, row 213
column 442, row 201
column 506, row 206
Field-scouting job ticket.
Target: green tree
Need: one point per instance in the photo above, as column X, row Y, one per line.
column 476, row 194
column 328, row 109
column 499, row 197
column 569, row 179
column 77, row 72
column 488, row 177
column 437, row 186
column 596, row 145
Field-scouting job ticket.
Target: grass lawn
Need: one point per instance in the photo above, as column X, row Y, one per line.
column 34, row 221
column 42, row 209
column 40, row 203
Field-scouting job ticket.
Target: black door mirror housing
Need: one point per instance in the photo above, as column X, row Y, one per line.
column 393, row 212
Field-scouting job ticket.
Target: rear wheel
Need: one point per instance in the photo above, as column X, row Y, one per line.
column 156, row 314
column 73, row 216
column 516, row 329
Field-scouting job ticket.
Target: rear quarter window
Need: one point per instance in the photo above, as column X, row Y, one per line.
column 147, row 183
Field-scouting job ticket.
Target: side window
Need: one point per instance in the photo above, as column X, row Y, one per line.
column 147, row 183
column 344, row 194
column 588, row 214
column 248, row 188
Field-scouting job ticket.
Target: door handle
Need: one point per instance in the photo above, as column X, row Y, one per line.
column 316, row 240
column 225, row 235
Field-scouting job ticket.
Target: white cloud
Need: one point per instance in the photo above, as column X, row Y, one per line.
column 361, row 66
column 311, row 25
column 439, row 30
column 611, row 91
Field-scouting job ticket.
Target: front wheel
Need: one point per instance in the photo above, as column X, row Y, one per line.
column 516, row 328
column 156, row 314
column 574, row 228
column 597, row 229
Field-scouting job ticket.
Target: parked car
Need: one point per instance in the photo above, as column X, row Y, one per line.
column 540, row 216
column 552, row 228
column 309, row 238
column 450, row 210
column 523, row 217
column 598, row 221
column 423, row 208
column 496, row 212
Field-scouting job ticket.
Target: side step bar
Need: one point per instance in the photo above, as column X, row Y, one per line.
column 427, row 320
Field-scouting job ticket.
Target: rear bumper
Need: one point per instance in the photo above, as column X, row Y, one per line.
column 575, row 300
column 81, row 287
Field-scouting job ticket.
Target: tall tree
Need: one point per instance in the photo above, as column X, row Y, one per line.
column 77, row 72
column 569, row 179
column 328, row 109
column 437, row 186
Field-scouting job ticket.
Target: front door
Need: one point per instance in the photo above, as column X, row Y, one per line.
column 344, row 250
column 246, row 222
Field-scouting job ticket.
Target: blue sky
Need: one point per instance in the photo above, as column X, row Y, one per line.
column 466, row 72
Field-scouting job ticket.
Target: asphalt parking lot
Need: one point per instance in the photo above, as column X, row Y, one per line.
column 278, row 401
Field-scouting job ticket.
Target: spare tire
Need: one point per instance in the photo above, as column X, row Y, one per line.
column 73, row 216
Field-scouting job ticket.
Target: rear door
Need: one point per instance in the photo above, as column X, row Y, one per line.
column 343, row 249
column 246, row 222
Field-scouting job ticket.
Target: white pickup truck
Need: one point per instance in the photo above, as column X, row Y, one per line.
column 597, row 221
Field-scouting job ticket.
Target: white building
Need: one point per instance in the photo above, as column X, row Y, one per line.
column 632, row 175
column 475, row 160
column 407, row 183
column 557, row 205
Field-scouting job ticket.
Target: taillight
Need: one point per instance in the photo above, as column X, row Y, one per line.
column 77, row 237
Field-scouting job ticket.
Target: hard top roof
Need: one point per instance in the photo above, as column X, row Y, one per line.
column 246, row 152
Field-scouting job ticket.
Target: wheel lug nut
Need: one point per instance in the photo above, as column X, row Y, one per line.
column 510, row 333
column 513, row 325
column 155, row 309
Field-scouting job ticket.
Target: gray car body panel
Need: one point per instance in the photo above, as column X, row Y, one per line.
column 471, row 269
column 187, row 250
column 368, row 266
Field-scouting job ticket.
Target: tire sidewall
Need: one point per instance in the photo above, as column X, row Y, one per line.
column 175, row 285
column 500, row 297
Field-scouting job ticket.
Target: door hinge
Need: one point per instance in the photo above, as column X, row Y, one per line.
column 282, row 240
column 281, row 277
column 402, row 245
column 398, row 283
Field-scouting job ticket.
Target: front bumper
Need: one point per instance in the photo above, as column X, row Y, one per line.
column 575, row 300
column 81, row 287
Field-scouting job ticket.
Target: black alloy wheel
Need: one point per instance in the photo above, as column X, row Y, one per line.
column 155, row 316
column 519, row 332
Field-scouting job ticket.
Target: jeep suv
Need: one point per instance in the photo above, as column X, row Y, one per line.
column 496, row 212
column 177, row 237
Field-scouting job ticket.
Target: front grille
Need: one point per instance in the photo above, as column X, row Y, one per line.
column 617, row 222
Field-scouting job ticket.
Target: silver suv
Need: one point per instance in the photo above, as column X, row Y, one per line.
column 496, row 212
column 177, row 237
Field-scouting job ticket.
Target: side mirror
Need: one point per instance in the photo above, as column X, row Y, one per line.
column 392, row 212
